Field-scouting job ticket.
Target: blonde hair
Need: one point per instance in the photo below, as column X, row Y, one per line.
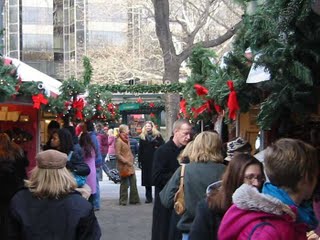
column 206, row 147
column 50, row 183
column 110, row 132
column 123, row 127
column 185, row 152
column 144, row 132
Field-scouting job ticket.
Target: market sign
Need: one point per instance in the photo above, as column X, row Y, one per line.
column 129, row 106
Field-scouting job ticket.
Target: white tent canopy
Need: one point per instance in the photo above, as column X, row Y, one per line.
column 29, row 74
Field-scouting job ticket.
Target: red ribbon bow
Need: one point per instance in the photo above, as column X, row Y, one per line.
column 99, row 107
column 110, row 107
column 78, row 105
column 183, row 107
column 38, row 99
column 200, row 90
column 202, row 108
column 152, row 105
column 232, row 104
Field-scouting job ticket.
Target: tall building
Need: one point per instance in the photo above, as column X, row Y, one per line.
column 28, row 33
column 54, row 35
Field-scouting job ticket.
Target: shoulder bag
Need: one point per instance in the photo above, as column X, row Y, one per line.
column 179, row 203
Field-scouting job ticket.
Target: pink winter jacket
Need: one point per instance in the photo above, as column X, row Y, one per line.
column 111, row 142
column 260, row 217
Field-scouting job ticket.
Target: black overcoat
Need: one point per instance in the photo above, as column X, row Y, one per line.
column 165, row 164
column 145, row 157
column 69, row 217
column 12, row 175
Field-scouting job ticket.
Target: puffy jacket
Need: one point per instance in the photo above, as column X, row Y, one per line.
column 260, row 216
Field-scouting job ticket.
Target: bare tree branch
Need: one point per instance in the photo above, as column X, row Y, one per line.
column 212, row 43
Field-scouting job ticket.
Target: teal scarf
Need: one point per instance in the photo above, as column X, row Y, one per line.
column 305, row 211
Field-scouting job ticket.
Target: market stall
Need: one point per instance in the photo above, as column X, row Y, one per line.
column 20, row 116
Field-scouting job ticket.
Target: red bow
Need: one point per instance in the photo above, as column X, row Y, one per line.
column 99, row 107
column 200, row 90
column 232, row 101
column 78, row 106
column 110, row 107
column 139, row 100
column 38, row 99
column 151, row 105
column 202, row 108
column 183, row 107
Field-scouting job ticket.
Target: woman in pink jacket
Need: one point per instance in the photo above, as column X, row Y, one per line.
column 111, row 149
column 284, row 209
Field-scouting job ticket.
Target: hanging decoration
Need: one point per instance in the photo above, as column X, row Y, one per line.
column 183, row 108
column 200, row 90
column 139, row 100
column 38, row 100
column 232, row 101
column 152, row 105
column 78, row 105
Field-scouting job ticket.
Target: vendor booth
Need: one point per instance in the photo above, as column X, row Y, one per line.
column 18, row 116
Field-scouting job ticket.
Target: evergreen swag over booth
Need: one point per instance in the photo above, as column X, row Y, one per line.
column 285, row 35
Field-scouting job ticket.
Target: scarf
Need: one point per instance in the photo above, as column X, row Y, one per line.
column 124, row 137
column 149, row 137
column 305, row 211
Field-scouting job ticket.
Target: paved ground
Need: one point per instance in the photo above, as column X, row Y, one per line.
column 131, row 222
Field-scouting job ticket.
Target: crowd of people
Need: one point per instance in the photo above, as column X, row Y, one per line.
column 227, row 193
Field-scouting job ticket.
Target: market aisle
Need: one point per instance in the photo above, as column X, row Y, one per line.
column 131, row 222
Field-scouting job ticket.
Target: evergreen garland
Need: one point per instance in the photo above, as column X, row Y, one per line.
column 7, row 80
column 285, row 34
column 142, row 88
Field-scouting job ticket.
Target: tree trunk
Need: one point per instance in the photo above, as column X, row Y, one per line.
column 172, row 109
column 172, row 100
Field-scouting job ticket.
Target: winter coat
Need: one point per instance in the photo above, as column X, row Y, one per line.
column 145, row 157
column 207, row 220
column 134, row 146
column 71, row 217
column 92, row 177
column 197, row 176
column 165, row 164
column 111, row 143
column 260, row 216
column 124, row 157
column 103, row 143
column 12, row 175
column 96, row 144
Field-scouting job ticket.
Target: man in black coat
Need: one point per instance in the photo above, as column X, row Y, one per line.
column 165, row 164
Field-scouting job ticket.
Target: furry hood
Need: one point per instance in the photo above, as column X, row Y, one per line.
column 251, row 208
column 247, row 197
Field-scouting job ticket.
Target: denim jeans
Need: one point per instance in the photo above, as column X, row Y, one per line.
column 96, row 197
column 185, row 236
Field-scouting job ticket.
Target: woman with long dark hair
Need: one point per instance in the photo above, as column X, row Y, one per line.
column 89, row 158
column 243, row 168
column 62, row 141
